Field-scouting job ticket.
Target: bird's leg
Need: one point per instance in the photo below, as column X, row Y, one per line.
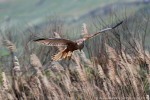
column 69, row 57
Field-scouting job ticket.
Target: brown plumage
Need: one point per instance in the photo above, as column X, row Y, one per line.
column 70, row 45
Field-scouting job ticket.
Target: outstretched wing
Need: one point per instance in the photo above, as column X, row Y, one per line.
column 54, row 41
column 103, row 30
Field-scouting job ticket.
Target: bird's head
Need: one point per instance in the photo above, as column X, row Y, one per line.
column 80, row 44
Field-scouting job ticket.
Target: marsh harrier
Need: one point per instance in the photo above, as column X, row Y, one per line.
column 69, row 44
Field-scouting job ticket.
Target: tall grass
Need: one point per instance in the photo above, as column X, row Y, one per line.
column 117, row 68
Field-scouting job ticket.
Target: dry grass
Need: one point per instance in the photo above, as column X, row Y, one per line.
column 114, row 73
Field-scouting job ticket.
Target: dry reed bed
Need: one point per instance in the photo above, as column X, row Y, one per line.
column 114, row 75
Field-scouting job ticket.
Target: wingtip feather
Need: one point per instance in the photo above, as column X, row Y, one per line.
column 117, row 25
column 38, row 39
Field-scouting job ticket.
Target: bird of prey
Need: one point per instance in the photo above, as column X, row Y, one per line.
column 70, row 46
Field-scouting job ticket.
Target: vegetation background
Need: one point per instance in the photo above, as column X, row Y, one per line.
column 113, row 65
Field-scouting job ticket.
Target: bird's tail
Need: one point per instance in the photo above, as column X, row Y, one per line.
column 64, row 54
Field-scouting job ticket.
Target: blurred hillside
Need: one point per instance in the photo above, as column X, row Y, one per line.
column 34, row 12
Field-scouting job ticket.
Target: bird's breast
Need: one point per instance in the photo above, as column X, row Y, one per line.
column 72, row 47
